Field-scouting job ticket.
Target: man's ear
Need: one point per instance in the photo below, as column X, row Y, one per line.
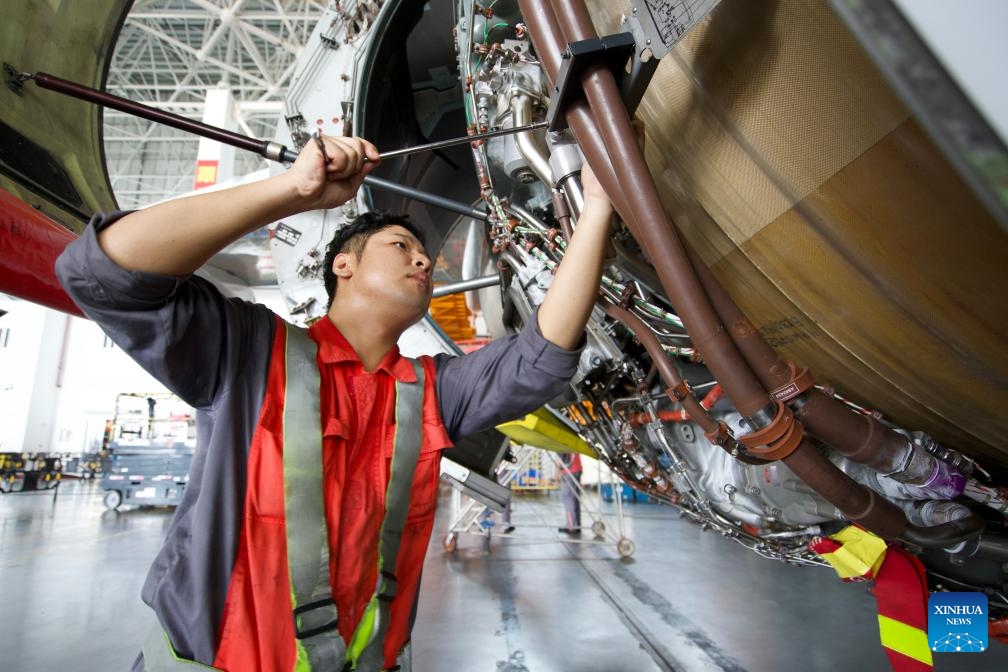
column 343, row 265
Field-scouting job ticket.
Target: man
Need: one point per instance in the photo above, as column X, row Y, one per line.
column 272, row 561
column 570, row 484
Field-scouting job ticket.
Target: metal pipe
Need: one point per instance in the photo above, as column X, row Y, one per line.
column 565, row 158
column 573, row 194
column 520, row 129
column 425, row 197
column 466, row 285
column 521, row 114
column 667, row 371
column 531, row 220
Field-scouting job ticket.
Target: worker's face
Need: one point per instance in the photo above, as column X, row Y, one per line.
column 393, row 271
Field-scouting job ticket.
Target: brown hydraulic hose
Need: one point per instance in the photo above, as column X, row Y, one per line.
column 563, row 215
column 549, row 44
column 861, row 438
column 662, row 246
column 650, row 226
column 859, row 504
column 716, row 431
column 665, row 368
column 681, row 415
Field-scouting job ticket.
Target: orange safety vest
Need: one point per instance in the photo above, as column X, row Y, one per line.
column 258, row 630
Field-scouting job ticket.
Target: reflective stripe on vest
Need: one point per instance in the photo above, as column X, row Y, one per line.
column 367, row 644
column 160, row 656
column 319, row 644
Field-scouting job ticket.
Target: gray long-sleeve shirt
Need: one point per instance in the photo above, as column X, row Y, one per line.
column 214, row 353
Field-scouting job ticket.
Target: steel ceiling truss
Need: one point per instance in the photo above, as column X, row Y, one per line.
column 168, row 54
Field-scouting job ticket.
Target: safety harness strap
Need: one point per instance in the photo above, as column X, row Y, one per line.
column 366, row 650
column 319, row 645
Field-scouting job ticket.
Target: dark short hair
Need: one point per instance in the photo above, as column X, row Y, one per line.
column 354, row 236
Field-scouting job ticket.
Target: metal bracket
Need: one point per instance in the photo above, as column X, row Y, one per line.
column 15, row 78
column 612, row 50
column 659, row 24
column 477, row 486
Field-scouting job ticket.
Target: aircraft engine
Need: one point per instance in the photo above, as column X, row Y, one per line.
column 658, row 404
column 802, row 320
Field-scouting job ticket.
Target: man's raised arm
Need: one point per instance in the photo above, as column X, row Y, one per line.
column 569, row 300
column 179, row 236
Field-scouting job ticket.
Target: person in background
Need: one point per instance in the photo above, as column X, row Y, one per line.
column 570, row 485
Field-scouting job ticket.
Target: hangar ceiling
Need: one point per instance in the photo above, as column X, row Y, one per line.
column 168, row 54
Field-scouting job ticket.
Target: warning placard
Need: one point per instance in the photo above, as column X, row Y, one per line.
column 286, row 234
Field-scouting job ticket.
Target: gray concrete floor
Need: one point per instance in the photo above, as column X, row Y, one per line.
column 531, row 601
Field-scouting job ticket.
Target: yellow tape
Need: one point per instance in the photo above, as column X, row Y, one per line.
column 861, row 552
column 906, row 639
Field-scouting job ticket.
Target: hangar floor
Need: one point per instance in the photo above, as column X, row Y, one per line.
column 529, row 601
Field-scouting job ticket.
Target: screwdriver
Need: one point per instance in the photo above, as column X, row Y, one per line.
column 431, row 146
column 272, row 151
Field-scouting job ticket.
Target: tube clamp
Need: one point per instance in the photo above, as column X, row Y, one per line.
column 801, row 380
column 681, row 391
column 626, row 297
column 778, row 439
column 720, row 436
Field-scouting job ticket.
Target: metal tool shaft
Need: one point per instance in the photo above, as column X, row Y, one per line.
column 459, row 141
column 272, row 151
column 268, row 150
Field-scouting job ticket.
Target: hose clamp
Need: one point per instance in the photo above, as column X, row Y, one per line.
column 801, row 380
column 681, row 391
column 778, row 439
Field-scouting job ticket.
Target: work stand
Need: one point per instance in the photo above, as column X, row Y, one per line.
column 473, row 517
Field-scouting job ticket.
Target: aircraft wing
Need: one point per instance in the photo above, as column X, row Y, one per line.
column 51, row 154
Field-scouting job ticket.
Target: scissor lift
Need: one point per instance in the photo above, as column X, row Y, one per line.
column 147, row 449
